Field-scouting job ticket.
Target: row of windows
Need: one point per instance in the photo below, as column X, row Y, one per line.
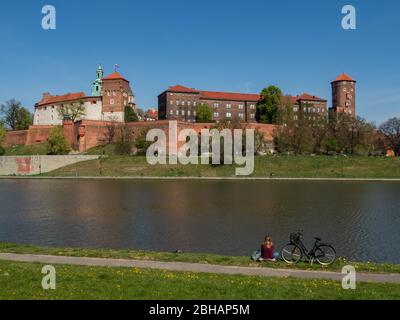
column 216, row 114
column 183, row 103
column 182, row 112
column 310, row 109
column 215, row 104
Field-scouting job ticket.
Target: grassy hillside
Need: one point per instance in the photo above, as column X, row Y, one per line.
column 37, row 149
column 268, row 166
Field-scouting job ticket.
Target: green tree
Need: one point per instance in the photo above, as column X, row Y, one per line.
column 2, row 138
column 141, row 144
column 267, row 107
column 2, row 133
column 15, row 116
column 203, row 113
column 56, row 143
column 124, row 143
column 391, row 130
column 73, row 111
column 130, row 115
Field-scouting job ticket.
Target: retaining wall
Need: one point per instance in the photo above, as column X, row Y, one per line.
column 33, row 165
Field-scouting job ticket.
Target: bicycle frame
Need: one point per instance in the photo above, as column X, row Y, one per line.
column 305, row 251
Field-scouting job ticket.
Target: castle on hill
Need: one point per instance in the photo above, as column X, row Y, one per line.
column 112, row 94
column 107, row 102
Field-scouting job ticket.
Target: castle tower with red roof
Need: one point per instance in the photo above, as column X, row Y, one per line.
column 344, row 95
column 117, row 94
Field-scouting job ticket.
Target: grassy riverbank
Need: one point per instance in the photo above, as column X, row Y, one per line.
column 269, row 166
column 21, row 280
column 193, row 257
column 37, row 149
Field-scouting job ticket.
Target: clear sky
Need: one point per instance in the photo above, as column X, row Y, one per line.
column 210, row 44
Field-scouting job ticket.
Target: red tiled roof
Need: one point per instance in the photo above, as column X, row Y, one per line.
column 306, row 96
column 49, row 99
column 229, row 96
column 152, row 113
column 115, row 76
column 213, row 95
column 179, row 88
column 343, row 77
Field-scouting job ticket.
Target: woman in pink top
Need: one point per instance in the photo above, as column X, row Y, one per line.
column 267, row 249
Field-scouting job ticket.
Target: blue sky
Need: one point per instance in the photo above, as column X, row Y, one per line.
column 211, row 45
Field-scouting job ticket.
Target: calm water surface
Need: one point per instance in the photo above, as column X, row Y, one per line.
column 361, row 219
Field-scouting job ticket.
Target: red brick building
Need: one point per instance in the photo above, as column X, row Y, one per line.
column 180, row 103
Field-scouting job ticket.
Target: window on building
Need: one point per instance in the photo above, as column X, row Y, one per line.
column 194, row 103
column 194, row 113
column 216, row 105
column 171, row 102
column 171, row 112
column 251, row 115
column 183, row 112
column 240, row 106
column 241, row 115
column 177, row 112
column 228, row 105
column 216, row 114
column 183, row 103
column 111, row 101
column 252, row 106
column 188, row 112
column 228, row 115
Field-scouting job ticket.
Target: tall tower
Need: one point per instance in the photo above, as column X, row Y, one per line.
column 344, row 95
column 98, row 83
column 117, row 94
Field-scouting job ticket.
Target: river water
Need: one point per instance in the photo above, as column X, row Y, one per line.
column 361, row 219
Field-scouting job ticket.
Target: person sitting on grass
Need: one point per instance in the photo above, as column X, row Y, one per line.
column 267, row 250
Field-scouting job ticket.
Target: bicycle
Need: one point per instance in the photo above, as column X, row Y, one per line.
column 294, row 251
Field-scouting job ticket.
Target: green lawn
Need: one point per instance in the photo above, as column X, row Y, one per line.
column 268, row 166
column 193, row 257
column 37, row 149
column 23, row 281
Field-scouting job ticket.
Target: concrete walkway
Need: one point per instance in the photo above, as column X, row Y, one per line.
column 243, row 178
column 197, row 267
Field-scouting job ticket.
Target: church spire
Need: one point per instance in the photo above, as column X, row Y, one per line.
column 98, row 83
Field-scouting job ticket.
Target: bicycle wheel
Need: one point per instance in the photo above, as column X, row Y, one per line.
column 325, row 254
column 291, row 253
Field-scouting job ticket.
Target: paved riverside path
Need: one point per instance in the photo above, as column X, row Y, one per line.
column 198, row 267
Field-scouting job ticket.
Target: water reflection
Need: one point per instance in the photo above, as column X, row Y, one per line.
column 360, row 218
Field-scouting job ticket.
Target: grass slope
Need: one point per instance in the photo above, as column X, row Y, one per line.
column 269, row 166
column 193, row 257
column 37, row 149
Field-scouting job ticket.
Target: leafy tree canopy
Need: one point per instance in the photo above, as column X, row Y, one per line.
column 203, row 113
column 15, row 116
column 56, row 143
column 267, row 107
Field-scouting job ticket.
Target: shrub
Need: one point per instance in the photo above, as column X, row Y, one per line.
column 56, row 143
column 2, row 151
